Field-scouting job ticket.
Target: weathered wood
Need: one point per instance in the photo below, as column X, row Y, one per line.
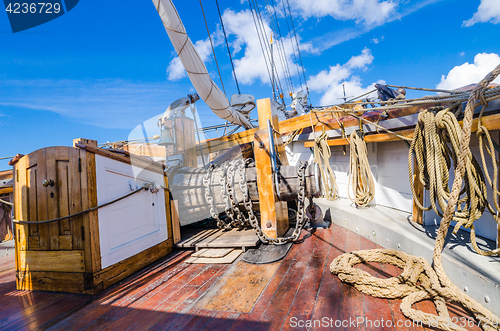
column 176, row 226
column 212, row 252
column 244, row 151
column 91, row 234
column 137, row 161
column 217, row 238
column 369, row 138
column 52, row 197
column 56, row 261
column 84, row 141
column 229, row 258
column 418, row 214
column 71, row 282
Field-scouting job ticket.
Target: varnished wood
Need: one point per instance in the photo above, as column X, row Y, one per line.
column 170, row 294
column 113, row 274
column 274, row 213
column 176, row 225
column 240, row 288
column 56, row 261
column 369, row 138
column 71, row 282
column 418, row 214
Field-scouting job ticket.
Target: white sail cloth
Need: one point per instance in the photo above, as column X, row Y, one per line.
column 195, row 68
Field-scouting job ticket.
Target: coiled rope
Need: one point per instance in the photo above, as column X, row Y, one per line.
column 322, row 155
column 419, row 281
column 360, row 174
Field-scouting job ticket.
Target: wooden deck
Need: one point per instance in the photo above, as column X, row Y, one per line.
column 171, row 294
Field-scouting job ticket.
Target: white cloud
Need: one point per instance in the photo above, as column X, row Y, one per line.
column 368, row 12
column 109, row 103
column 252, row 65
column 488, row 11
column 175, row 69
column 470, row 73
column 330, row 81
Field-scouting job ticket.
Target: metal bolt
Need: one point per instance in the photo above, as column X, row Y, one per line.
column 261, row 145
column 373, row 233
column 357, row 230
column 487, row 299
column 269, row 224
column 399, row 245
column 387, row 240
column 466, row 289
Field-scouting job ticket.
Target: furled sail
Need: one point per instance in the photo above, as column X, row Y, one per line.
column 195, row 68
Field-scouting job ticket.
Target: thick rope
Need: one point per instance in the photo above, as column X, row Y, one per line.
column 360, row 174
column 322, row 155
column 419, row 281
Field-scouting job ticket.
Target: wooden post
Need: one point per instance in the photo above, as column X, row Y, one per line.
column 418, row 214
column 274, row 213
column 185, row 140
column 176, row 224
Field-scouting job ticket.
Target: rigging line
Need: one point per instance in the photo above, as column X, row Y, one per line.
column 282, row 45
column 291, row 41
column 227, row 45
column 286, row 69
column 281, row 50
column 261, row 20
column 263, row 40
column 260, row 41
column 211, row 44
column 297, row 42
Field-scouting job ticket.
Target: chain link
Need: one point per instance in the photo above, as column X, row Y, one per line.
column 231, row 207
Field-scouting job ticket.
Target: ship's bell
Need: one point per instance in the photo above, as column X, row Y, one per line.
column 166, row 138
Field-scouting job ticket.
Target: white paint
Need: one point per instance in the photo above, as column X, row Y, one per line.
column 389, row 165
column 133, row 224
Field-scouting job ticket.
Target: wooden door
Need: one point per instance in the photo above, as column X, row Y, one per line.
column 36, row 202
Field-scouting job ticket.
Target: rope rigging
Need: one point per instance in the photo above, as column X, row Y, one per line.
column 213, row 50
column 419, row 280
column 275, row 27
column 360, row 174
column 227, row 45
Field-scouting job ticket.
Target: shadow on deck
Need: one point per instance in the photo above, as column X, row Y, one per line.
column 168, row 296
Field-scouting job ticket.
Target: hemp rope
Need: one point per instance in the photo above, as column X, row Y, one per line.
column 419, row 281
column 360, row 174
column 322, row 155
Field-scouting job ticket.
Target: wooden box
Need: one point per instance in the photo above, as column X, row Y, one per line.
column 92, row 251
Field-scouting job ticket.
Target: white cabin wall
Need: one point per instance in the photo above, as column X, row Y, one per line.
column 389, row 164
column 133, row 224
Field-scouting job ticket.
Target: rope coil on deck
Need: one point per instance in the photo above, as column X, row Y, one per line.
column 419, row 281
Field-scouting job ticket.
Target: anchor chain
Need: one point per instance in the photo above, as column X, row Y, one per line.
column 227, row 182
column 299, row 225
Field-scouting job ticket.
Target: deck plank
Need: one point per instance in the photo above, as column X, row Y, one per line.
column 167, row 295
column 328, row 300
column 305, row 300
column 278, row 308
column 377, row 311
column 351, row 300
column 247, row 321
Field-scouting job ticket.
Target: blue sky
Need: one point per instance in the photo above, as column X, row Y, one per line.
column 102, row 69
